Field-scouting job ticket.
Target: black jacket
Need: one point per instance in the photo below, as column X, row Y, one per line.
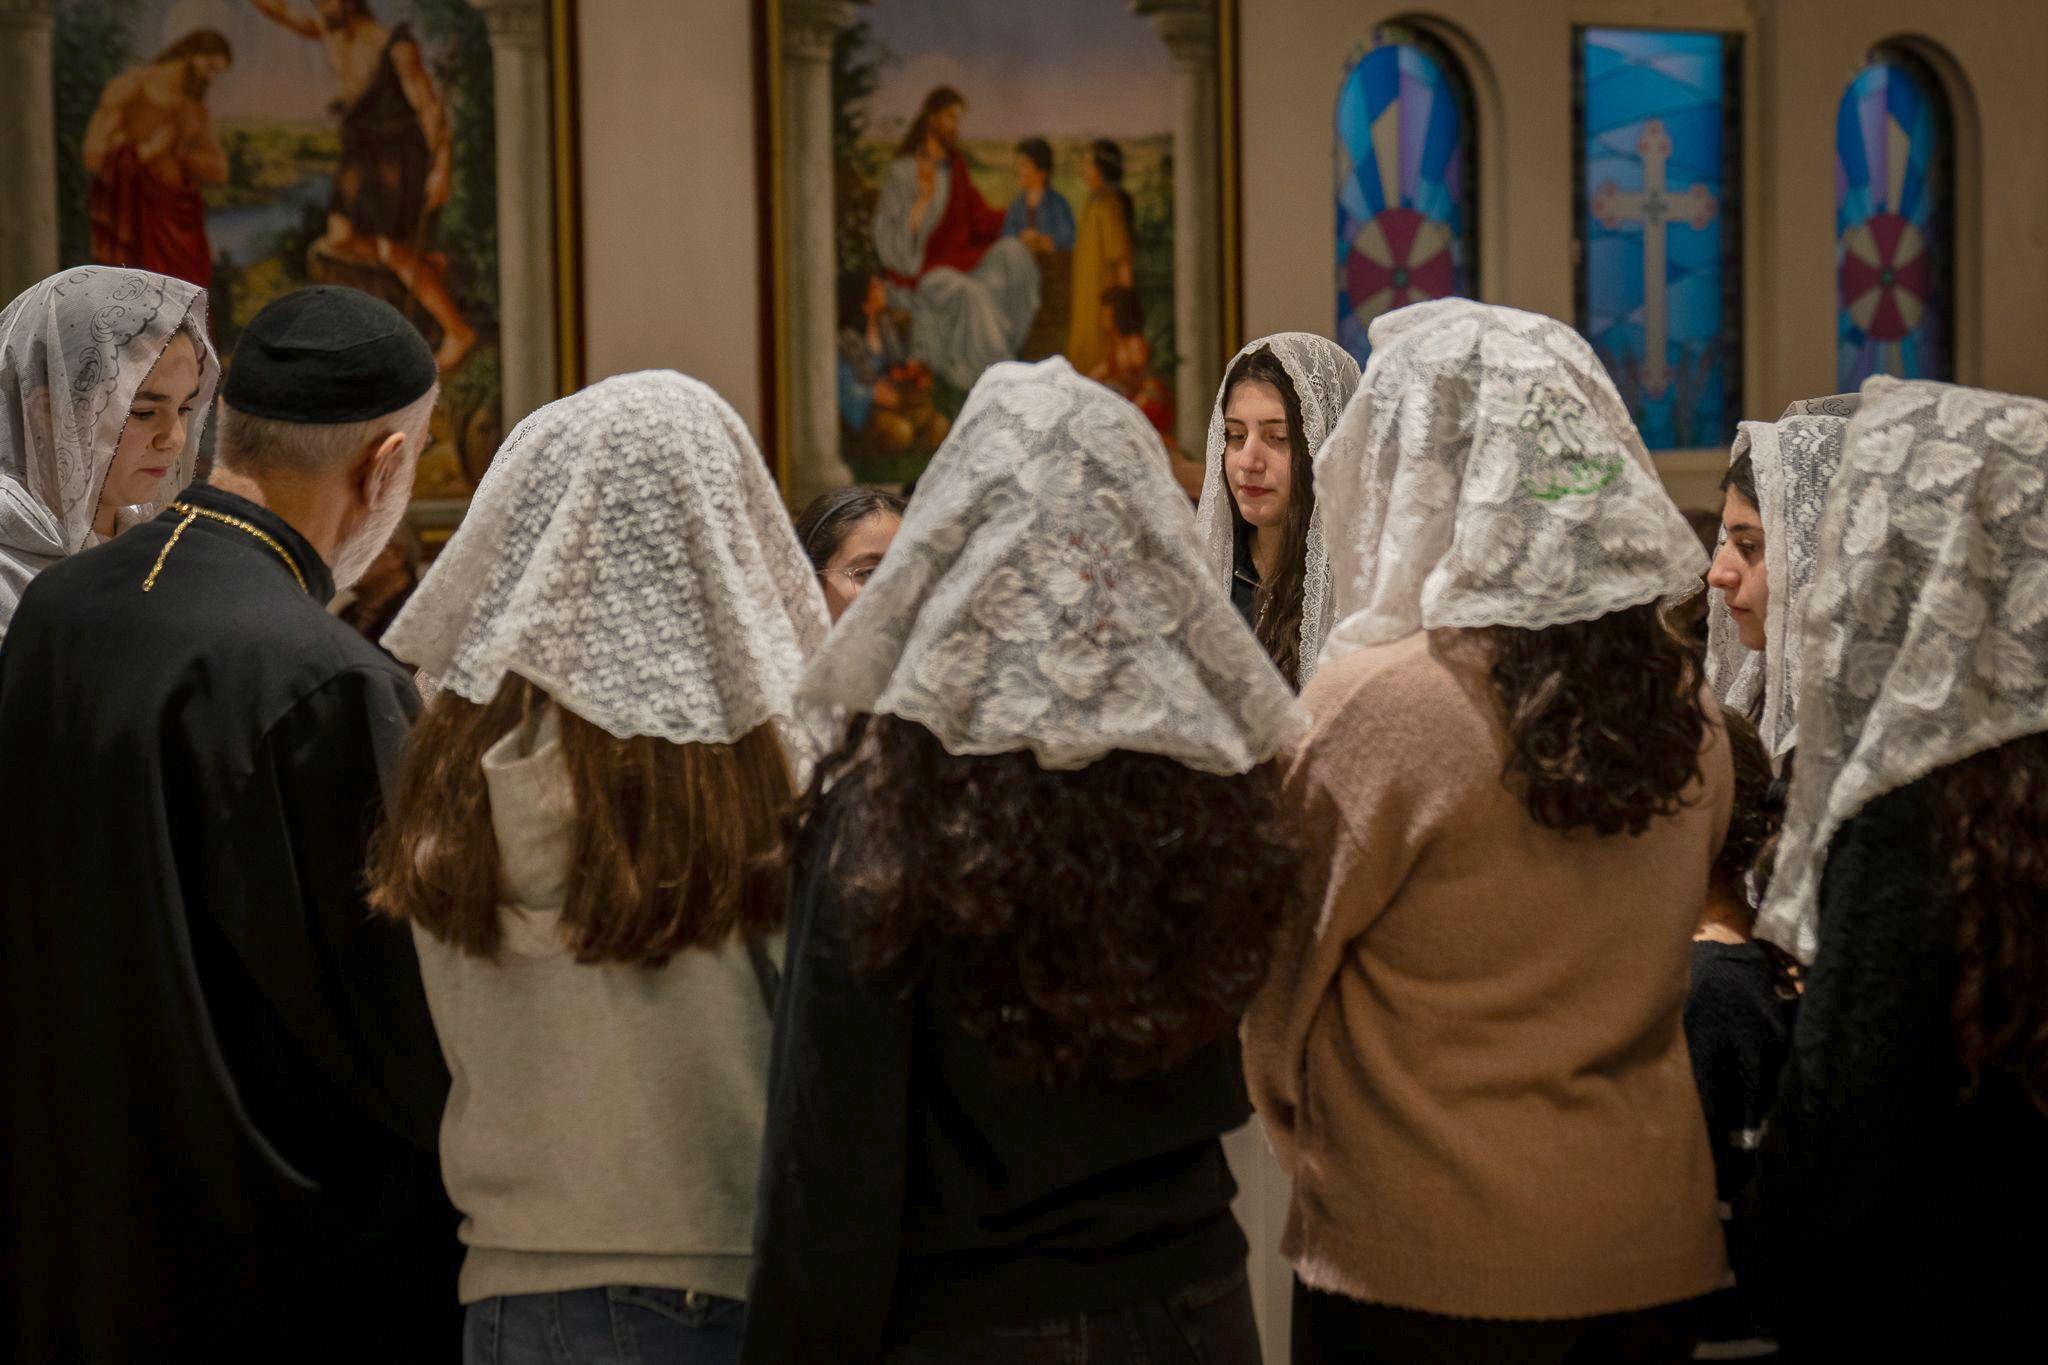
column 222, row 1083
column 1895, row 1215
column 905, row 1185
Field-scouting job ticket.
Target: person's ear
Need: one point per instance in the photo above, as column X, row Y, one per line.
column 381, row 463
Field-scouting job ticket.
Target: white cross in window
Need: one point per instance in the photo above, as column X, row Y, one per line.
column 1655, row 207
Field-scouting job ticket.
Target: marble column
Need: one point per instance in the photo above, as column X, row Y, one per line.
column 1189, row 30
column 810, row 256
column 526, row 243
column 28, row 147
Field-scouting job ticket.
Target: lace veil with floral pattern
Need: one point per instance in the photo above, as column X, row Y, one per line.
column 628, row 552
column 1046, row 593
column 1486, row 473
column 1925, row 631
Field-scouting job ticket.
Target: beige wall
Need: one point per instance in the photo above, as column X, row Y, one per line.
column 671, row 257
column 671, row 238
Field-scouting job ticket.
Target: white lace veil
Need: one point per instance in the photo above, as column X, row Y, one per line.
column 1046, row 594
column 1926, row 627
column 1793, row 461
column 73, row 351
column 1324, row 376
column 1487, row 474
column 627, row 551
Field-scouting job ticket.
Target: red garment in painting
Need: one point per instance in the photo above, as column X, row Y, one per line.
column 140, row 222
column 967, row 229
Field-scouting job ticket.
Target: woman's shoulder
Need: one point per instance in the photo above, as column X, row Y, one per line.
column 1416, row 670
column 1417, row 696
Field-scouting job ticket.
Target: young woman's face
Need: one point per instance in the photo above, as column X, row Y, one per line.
column 1738, row 570
column 1258, row 452
column 154, row 436
column 1091, row 174
column 847, row 571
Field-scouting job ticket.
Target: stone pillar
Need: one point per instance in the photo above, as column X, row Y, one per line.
column 28, row 147
column 526, row 243
column 810, row 256
column 1189, row 30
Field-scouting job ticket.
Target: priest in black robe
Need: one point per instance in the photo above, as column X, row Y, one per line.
column 222, row 1084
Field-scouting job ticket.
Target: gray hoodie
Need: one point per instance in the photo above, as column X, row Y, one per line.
column 604, row 1125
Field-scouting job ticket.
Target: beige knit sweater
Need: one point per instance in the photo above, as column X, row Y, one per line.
column 1470, row 1054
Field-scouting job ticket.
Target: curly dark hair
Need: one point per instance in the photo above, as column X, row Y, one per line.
column 1109, row 921
column 1991, row 835
column 1278, row 611
column 1605, row 719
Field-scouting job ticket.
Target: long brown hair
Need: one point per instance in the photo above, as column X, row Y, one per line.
column 1991, row 836
column 1278, row 610
column 937, row 101
column 676, row 845
column 1108, row 921
column 1604, row 719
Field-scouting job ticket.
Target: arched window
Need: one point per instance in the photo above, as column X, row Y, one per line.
column 1659, row 235
column 1894, row 223
column 1407, row 181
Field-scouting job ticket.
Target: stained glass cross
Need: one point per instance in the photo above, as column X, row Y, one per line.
column 1656, row 208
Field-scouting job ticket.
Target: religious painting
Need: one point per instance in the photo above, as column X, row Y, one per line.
column 1894, row 224
column 1407, row 181
column 1658, row 162
column 957, row 183
column 255, row 146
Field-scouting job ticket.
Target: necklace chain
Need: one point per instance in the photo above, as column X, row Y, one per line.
column 224, row 519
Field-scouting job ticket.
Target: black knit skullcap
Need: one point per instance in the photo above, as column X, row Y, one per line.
column 325, row 355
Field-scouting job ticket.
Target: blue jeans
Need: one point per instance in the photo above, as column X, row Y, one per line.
column 620, row 1324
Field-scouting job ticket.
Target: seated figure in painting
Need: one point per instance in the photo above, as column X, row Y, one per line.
column 149, row 147
column 1041, row 218
column 1126, row 364
column 885, row 396
column 397, row 159
column 971, row 291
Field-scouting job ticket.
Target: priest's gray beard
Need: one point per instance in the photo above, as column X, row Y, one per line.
column 352, row 558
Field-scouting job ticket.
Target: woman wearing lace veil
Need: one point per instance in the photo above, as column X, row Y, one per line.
column 586, row 841
column 1469, row 1051
column 1772, row 495
column 1262, row 533
column 1034, row 888
column 1902, row 1165
column 106, row 377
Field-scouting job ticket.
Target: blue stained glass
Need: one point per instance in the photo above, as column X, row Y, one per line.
column 1893, row 229
column 1659, row 159
column 1404, row 182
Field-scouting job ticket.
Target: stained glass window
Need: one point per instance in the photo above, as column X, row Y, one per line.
column 1894, row 225
column 1659, row 173
column 1406, row 181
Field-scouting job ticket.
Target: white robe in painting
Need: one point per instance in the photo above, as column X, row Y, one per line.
column 961, row 322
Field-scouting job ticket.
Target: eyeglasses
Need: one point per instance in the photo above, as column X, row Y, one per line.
column 858, row 577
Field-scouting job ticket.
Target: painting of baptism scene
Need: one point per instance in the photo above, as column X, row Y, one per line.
column 255, row 146
column 1004, row 192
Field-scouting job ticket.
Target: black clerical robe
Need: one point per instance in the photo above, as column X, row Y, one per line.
column 222, row 1083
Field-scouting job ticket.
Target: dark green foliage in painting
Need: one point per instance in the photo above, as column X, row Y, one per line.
column 856, row 70
column 90, row 46
column 1152, row 261
column 468, row 225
